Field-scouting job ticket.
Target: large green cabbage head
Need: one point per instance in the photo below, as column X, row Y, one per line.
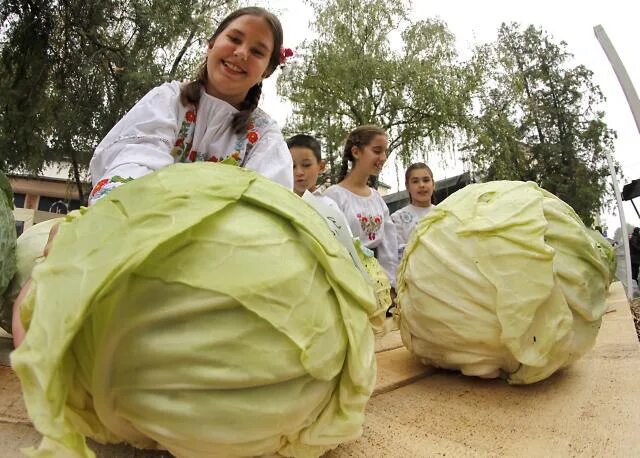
column 202, row 309
column 502, row 278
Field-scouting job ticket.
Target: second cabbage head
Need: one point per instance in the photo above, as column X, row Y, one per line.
column 202, row 309
column 502, row 279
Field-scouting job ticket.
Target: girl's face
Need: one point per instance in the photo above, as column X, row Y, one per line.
column 239, row 58
column 306, row 169
column 420, row 186
column 370, row 158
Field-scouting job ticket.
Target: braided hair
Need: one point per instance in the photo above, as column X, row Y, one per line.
column 190, row 92
column 358, row 137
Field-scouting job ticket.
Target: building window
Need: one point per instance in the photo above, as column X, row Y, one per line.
column 18, row 200
column 53, row 205
column 57, row 205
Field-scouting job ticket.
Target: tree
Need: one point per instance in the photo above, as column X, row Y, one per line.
column 71, row 68
column 351, row 75
column 539, row 121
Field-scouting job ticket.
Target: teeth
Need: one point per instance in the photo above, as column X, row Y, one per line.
column 235, row 68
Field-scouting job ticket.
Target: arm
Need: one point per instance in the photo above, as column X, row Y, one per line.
column 17, row 329
column 397, row 222
column 139, row 143
column 271, row 158
column 388, row 249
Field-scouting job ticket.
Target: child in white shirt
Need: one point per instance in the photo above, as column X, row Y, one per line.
column 366, row 212
column 420, row 185
column 213, row 118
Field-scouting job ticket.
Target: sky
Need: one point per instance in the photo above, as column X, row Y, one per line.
column 474, row 22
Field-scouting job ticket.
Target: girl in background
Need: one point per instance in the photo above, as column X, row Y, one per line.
column 420, row 185
column 366, row 212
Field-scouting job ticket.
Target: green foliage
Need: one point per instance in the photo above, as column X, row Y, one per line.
column 370, row 63
column 539, row 120
column 70, row 69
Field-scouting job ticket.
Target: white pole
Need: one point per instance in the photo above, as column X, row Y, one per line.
column 623, row 226
column 634, row 104
column 623, row 77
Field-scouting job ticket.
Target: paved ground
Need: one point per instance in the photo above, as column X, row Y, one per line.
column 589, row 409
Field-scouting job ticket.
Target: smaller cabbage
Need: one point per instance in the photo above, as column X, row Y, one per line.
column 29, row 252
column 7, row 249
column 502, row 278
column 381, row 286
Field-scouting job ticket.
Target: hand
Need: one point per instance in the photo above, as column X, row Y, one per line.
column 17, row 330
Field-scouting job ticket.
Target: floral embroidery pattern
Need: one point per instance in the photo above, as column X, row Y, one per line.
column 370, row 224
column 405, row 217
column 105, row 185
column 182, row 151
column 244, row 143
column 182, row 147
column 252, row 137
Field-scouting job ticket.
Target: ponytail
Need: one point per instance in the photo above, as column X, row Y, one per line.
column 344, row 168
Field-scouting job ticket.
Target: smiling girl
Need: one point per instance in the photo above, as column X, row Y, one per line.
column 212, row 118
column 420, row 185
column 367, row 214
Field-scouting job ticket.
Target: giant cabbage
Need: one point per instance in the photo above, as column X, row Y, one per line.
column 202, row 309
column 7, row 248
column 502, row 279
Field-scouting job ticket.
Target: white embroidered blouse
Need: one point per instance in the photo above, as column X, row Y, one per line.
column 369, row 220
column 149, row 137
column 405, row 221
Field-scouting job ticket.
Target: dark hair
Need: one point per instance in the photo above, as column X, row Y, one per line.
column 190, row 93
column 418, row 166
column 360, row 137
column 306, row 141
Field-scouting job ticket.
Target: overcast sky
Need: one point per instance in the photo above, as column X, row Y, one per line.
column 475, row 22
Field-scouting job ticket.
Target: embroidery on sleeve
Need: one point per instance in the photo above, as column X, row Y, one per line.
column 106, row 185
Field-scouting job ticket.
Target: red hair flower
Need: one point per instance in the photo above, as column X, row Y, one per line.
column 285, row 53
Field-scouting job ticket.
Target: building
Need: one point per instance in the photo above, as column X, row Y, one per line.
column 38, row 198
